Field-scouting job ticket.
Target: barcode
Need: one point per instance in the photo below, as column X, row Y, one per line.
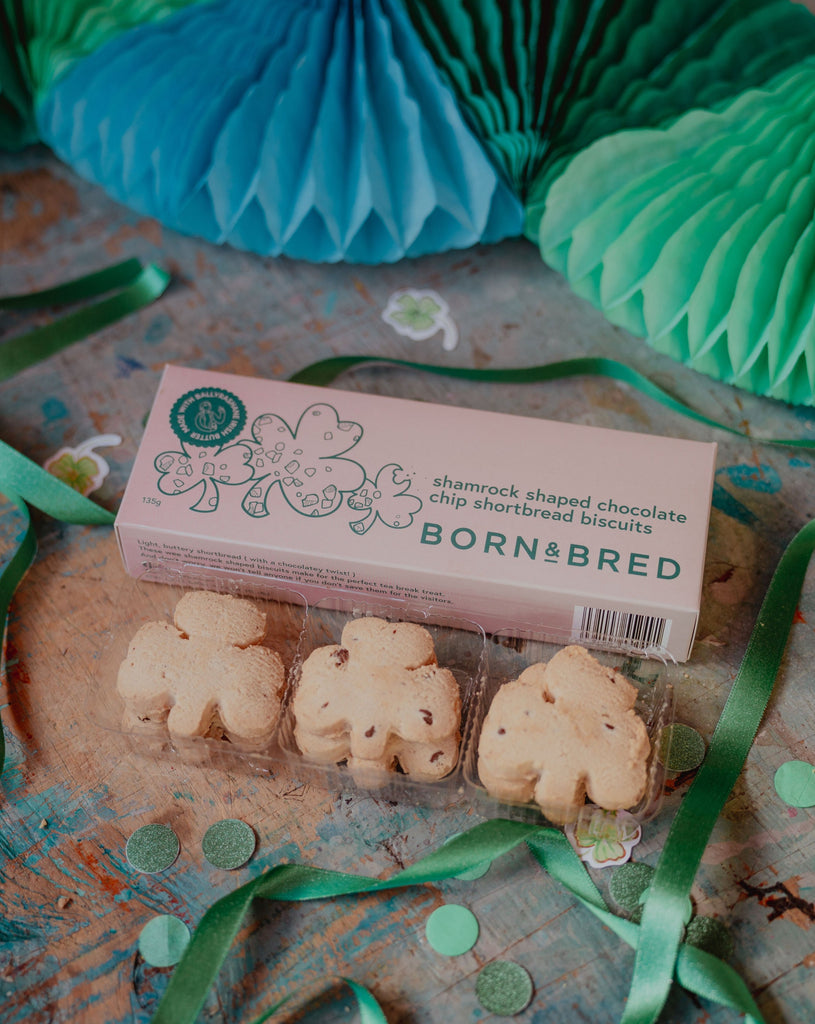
column 606, row 626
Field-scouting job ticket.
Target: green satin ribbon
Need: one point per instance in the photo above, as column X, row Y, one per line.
column 89, row 286
column 21, row 480
column 18, row 565
column 370, row 1012
column 139, row 287
column 35, row 485
column 325, row 371
column 662, row 918
column 186, row 992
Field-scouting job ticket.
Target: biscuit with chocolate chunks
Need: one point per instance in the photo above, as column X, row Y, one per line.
column 379, row 701
column 563, row 731
column 207, row 673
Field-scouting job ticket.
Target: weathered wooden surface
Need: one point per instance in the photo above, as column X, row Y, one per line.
column 71, row 795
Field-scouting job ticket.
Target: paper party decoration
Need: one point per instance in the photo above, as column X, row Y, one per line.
column 326, row 133
column 229, row 844
column 680, row 748
column 711, row 935
column 152, row 848
column 163, row 939
column 542, row 81
column 452, row 929
column 707, row 249
column 659, row 153
column 795, row 783
column 504, row 988
column 40, row 39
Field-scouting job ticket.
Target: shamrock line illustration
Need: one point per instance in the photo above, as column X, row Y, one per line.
column 206, row 468
column 305, row 463
column 386, row 499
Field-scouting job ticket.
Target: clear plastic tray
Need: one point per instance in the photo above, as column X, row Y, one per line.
column 152, row 598
column 460, row 646
column 480, row 665
column 509, row 654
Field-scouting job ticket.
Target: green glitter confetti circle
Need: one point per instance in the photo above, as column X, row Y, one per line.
column 795, row 783
column 628, row 883
column 504, row 988
column 228, row 844
column 152, row 848
column 628, row 888
column 452, row 930
column 710, row 935
column 681, row 748
column 163, row 940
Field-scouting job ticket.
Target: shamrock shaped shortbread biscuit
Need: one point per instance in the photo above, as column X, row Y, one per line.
column 207, row 674
column 562, row 731
column 378, row 699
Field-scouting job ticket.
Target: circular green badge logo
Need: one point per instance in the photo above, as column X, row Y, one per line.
column 207, row 417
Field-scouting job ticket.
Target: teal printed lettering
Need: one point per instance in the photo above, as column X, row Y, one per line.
column 431, row 533
column 663, row 565
column 578, row 554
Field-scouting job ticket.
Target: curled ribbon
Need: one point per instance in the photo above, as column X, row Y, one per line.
column 139, row 287
column 697, row 971
column 21, row 480
column 370, row 1012
column 326, row 371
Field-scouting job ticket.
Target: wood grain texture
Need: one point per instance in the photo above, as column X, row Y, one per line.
column 72, row 908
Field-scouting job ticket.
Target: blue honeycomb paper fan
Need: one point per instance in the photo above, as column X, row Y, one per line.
column 327, row 133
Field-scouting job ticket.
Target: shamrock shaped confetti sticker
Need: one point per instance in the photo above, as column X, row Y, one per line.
column 419, row 315
column 83, row 468
column 604, row 838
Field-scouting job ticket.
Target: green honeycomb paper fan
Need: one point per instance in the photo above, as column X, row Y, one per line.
column 700, row 236
column 542, row 81
column 514, row 66
column 18, row 126
column 737, row 47
column 659, row 60
column 39, row 39
column 677, row 58
column 508, row 63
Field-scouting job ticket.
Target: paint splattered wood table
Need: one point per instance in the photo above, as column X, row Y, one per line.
column 72, row 907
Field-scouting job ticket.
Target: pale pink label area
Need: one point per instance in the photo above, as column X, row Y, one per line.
column 506, row 519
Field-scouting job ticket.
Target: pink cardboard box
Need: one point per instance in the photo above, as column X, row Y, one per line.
column 555, row 530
